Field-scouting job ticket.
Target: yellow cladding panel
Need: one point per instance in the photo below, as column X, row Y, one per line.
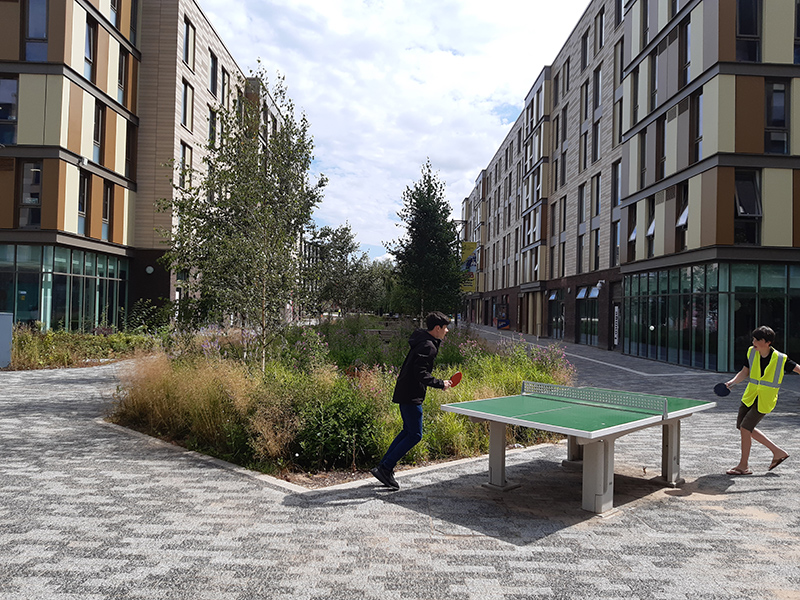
column 719, row 115
column 671, row 147
column 130, row 217
column 122, row 136
column 635, row 17
column 113, row 67
column 71, row 184
column 56, row 111
column 641, row 228
column 696, row 41
column 78, row 37
column 778, row 31
column 794, row 115
column 87, row 125
column 777, row 196
column 661, row 218
column 32, row 99
column 633, row 164
column 694, row 225
column 127, row 216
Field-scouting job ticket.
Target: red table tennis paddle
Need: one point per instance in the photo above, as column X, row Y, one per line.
column 455, row 379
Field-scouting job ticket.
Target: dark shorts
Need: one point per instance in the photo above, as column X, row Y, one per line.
column 748, row 416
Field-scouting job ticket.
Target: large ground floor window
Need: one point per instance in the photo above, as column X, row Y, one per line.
column 63, row 288
column 701, row 316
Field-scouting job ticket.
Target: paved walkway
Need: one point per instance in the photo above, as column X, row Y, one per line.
column 91, row 511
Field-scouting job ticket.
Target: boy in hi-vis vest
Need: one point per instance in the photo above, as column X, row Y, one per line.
column 764, row 371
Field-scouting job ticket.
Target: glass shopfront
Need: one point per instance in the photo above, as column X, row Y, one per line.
column 701, row 316
column 62, row 288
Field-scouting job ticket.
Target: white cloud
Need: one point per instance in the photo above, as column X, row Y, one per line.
column 388, row 83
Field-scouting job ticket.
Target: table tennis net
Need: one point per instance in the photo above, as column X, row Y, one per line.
column 652, row 404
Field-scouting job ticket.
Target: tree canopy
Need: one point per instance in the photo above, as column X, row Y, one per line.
column 428, row 256
column 238, row 221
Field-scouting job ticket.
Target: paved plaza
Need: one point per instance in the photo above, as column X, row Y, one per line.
column 91, row 511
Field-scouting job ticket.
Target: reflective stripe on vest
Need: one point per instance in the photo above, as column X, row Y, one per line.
column 764, row 387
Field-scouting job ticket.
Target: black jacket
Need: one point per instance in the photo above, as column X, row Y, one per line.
column 415, row 374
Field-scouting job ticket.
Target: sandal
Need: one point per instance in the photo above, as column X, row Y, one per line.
column 776, row 461
column 737, row 471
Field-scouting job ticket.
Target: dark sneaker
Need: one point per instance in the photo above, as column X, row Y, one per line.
column 385, row 476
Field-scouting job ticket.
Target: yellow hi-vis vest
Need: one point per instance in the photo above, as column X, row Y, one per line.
column 764, row 387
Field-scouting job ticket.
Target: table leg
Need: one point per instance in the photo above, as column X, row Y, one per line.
column 497, row 458
column 598, row 476
column 671, row 453
column 574, row 449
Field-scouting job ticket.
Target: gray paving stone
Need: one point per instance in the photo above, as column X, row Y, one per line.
column 90, row 511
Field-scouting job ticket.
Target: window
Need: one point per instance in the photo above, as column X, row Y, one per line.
column 584, row 157
column 113, row 13
column 585, row 102
column 748, row 30
column 653, row 80
column 212, row 127
column 188, row 44
column 673, row 8
column 685, row 53
column 596, row 181
column 187, row 107
column 642, row 160
column 616, row 134
column 645, row 22
column 185, row 177
column 130, row 151
column 582, row 203
column 134, row 20
column 226, row 84
column 98, row 132
column 556, row 131
column 564, row 168
column 90, row 50
column 212, row 83
column 599, row 30
column 619, row 12
column 562, row 263
column 661, row 148
column 596, row 141
column 797, row 32
column 562, row 207
column 631, row 233
column 618, row 62
column 584, row 50
column 682, row 223
column 566, row 75
column 556, row 88
column 616, row 183
column 580, row 251
column 696, row 127
column 8, row 111
column 776, row 127
column 555, row 174
column 651, row 227
column 635, row 96
column 747, row 218
column 30, row 209
column 84, row 190
column 598, row 87
column 36, row 31
column 564, row 122
column 595, row 249
column 122, row 76
column 108, row 195
column 614, row 244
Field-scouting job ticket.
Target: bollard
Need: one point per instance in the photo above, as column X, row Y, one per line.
column 6, row 327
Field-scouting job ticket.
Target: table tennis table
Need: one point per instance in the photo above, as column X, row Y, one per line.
column 592, row 419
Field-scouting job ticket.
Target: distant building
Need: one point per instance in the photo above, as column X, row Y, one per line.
column 647, row 200
column 96, row 98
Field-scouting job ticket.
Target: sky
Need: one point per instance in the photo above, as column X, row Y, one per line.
column 388, row 84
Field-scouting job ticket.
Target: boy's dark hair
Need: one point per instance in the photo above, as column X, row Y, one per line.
column 436, row 318
column 764, row 333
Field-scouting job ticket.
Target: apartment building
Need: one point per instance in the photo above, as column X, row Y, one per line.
column 668, row 224
column 96, row 98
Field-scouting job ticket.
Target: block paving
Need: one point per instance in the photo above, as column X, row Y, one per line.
column 90, row 511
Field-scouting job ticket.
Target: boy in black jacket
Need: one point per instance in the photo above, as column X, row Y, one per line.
column 409, row 392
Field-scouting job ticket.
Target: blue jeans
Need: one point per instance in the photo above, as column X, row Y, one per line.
column 407, row 438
